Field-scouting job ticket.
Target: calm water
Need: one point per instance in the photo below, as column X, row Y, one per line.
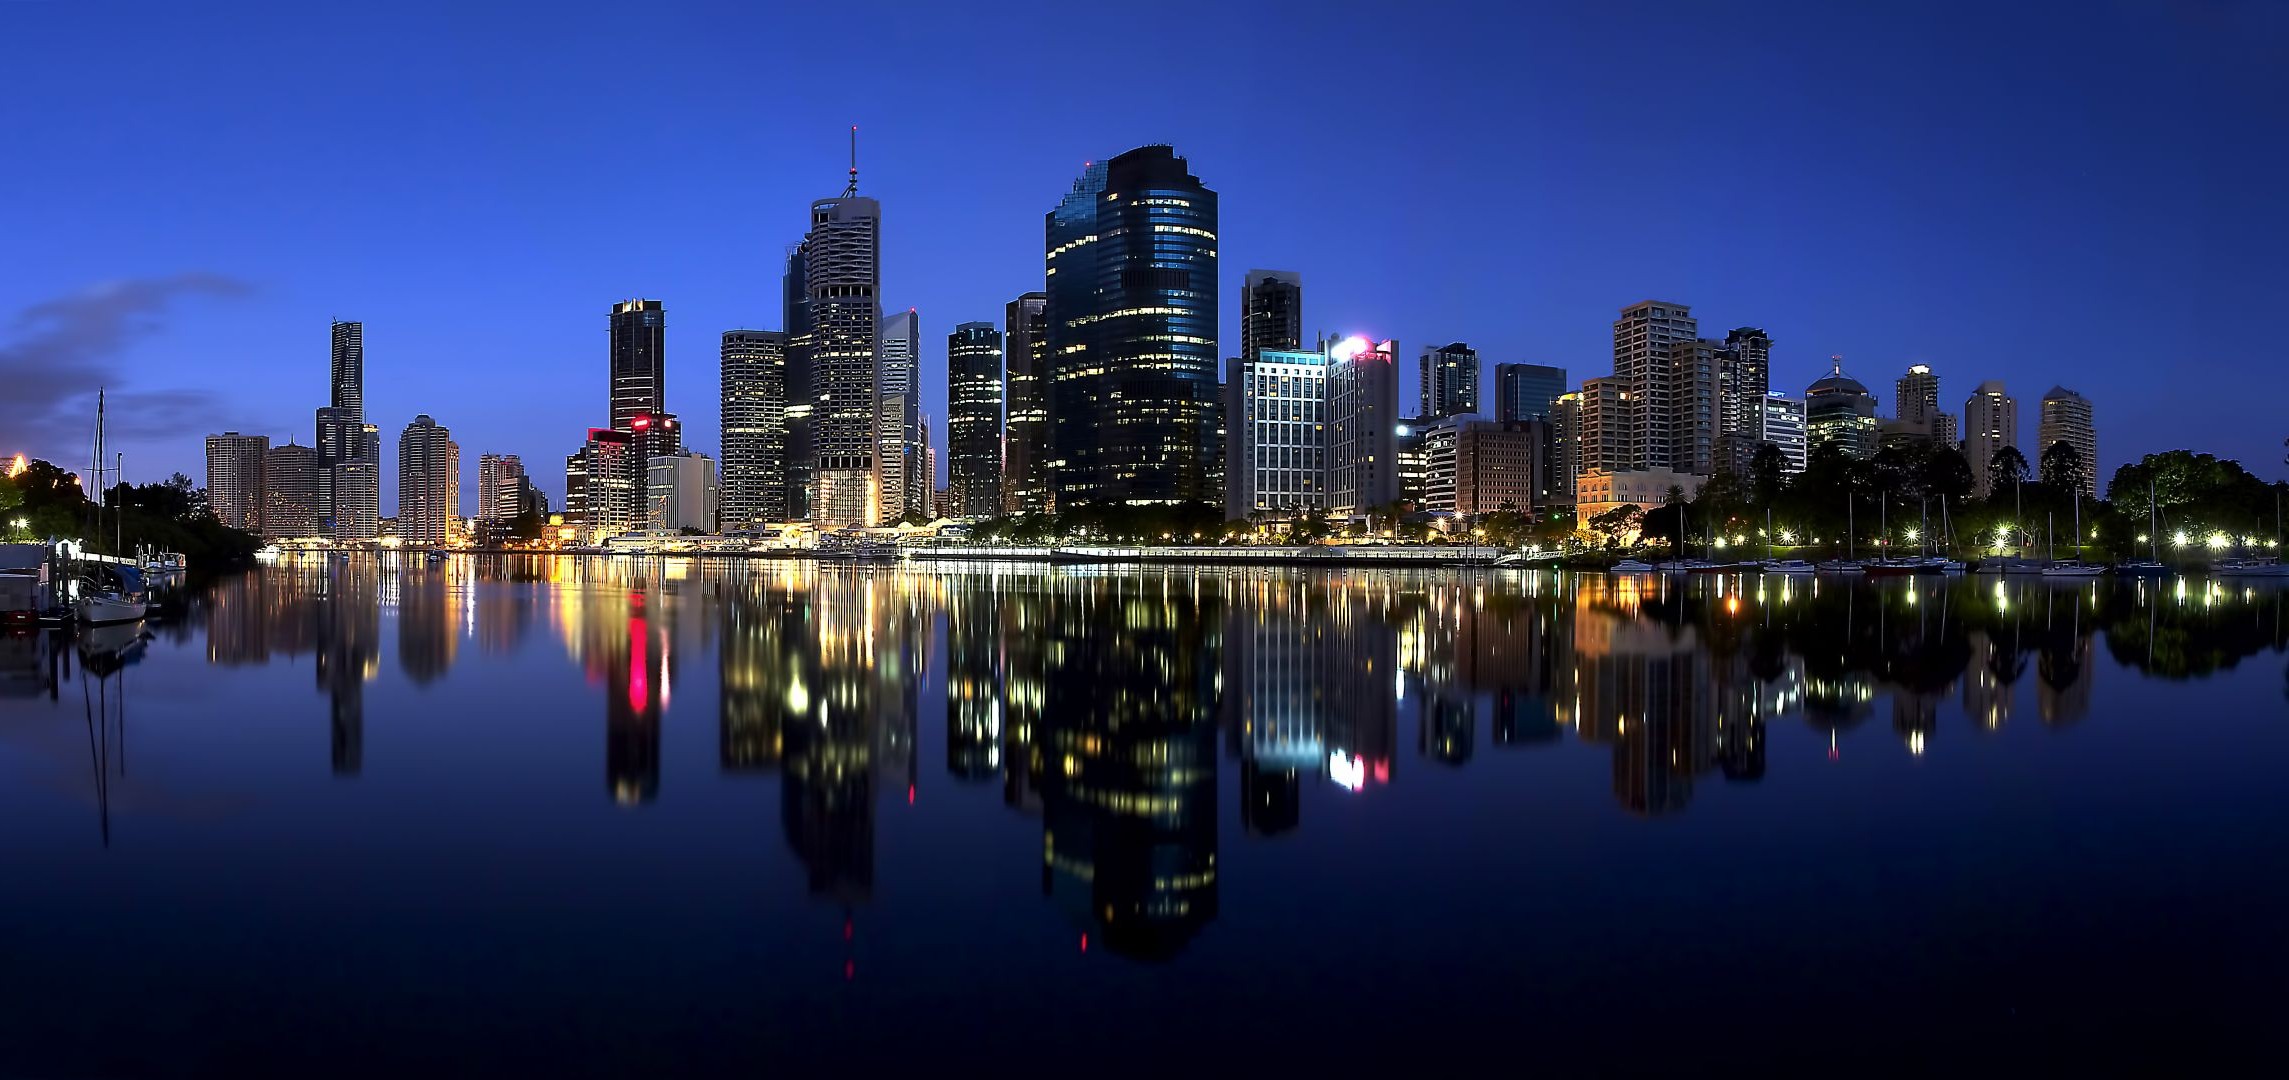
column 560, row 816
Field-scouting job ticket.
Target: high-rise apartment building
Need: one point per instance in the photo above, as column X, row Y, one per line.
column 1271, row 312
column 2066, row 418
column 835, row 332
column 1449, row 377
column 639, row 331
column 1565, row 447
column 1990, row 423
column 428, row 482
column 1782, row 424
column 1916, row 396
column 292, row 477
column 349, row 495
column 1527, row 391
column 235, row 468
column 1025, row 396
column 1668, row 399
column 754, row 413
column 1839, row 411
column 1312, row 432
column 1134, row 403
column 973, row 419
column 1744, row 377
column 501, row 484
column 898, row 434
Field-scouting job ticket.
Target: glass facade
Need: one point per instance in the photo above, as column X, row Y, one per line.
column 1134, row 401
column 973, row 418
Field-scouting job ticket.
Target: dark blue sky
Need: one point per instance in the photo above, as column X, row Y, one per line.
column 2087, row 193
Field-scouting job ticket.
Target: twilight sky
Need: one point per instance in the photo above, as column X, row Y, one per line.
column 2085, row 193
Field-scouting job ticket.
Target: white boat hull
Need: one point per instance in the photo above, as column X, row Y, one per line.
column 101, row 610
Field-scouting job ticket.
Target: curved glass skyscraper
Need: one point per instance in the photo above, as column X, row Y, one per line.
column 1133, row 397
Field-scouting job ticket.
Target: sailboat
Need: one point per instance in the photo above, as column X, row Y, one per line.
column 2261, row 567
column 1941, row 561
column 1887, row 565
column 2075, row 567
column 1779, row 566
column 119, row 596
column 1847, row 564
column 2152, row 565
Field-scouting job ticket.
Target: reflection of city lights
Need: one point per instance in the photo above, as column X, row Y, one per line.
column 1346, row 770
column 1915, row 743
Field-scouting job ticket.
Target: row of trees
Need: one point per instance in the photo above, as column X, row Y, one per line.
column 42, row 501
column 1910, row 494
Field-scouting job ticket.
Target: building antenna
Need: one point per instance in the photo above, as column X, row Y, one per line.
column 851, row 190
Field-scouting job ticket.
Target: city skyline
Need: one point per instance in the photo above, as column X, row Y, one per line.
column 241, row 315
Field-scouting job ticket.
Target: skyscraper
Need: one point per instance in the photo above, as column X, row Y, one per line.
column 349, row 449
column 1312, row 432
column 1744, row 377
column 1449, row 376
column 1362, row 417
column 639, row 331
column 235, row 467
column 1025, row 445
column 428, row 482
column 291, row 479
column 1133, row 400
column 2066, row 418
column 681, row 493
column 1271, row 312
column 973, row 418
column 754, row 372
column 838, row 325
column 898, row 435
column 1990, row 423
column 801, row 457
column 1839, row 411
column 1526, row 391
column 1916, row 396
column 601, row 485
column 500, row 486
column 1667, row 388
column 1783, row 426
column 347, row 372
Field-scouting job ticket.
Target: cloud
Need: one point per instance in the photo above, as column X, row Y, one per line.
column 61, row 350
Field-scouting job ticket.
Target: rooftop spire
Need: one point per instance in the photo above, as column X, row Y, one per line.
column 852, row 188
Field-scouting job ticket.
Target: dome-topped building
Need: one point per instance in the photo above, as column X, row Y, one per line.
column 1838, row 409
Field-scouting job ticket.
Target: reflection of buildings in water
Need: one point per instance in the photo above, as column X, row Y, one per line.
column 2063, row 679
column 1023, row 609
column 330, row 610
column 1524, row 718
column 760, row 678
column 349, row 653
column 1129, row 735
column 1988, row 681
column 1645, row 690
column 620, row 642
column 503, row 616
column 973, row 686
column 427, row 624
column 1306, row 688
column 1449, row 727
column 1747, row 703
column 1915, row 715
column 850, row 725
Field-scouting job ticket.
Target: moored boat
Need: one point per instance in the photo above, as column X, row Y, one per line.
column 1787, row 566
column 1632, row 566
column 2249, row 568
column 2069, row 568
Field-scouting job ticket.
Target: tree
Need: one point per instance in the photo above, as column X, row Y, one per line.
column 1946, row 473
column 1768, row 475
column 2006, row 468
column 1617, row 523
column 2062, row 468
